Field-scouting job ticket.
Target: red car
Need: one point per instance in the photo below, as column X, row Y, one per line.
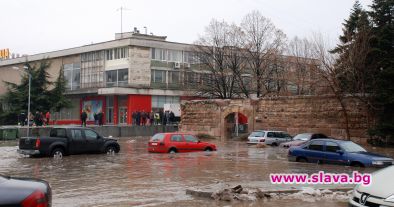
column 177, row 142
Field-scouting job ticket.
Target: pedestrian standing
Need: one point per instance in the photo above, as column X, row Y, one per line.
column 84, row 116
column 151, row 117
column 167, row 117
column 95, row 116
column 138, row 118
column 172, row 117
column 134, row 117
column 100, row 116
column 157, row 118
column 47, row 117
column 161, row 117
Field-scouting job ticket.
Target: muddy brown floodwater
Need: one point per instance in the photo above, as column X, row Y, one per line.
column 135, row 177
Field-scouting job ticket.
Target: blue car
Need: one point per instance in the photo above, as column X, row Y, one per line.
column 332, row 151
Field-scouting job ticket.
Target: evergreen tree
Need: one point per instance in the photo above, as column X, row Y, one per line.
column 42, row 99
column 382, row 15
column 58, row 100
column 349, row 28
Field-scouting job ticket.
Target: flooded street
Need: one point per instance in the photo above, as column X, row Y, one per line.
column 135, row 177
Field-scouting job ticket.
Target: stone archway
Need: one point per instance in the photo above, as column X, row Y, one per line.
column 229, row 113
column 236, row 124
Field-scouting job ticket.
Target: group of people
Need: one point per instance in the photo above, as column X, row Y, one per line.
column 142, row 118
column 38, row 119
column 139, row 118
column 98, row 118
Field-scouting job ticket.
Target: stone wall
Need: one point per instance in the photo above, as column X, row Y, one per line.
column 294, row 114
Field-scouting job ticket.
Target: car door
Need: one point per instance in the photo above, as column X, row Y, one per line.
column 78, row 142
column 332, row 156
column 192, row 143
column 177, row 141
column 315, row 151
column 284, row 137
column 93, row 143
column 270, row 138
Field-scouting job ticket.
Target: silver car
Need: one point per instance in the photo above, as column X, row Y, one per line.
column 379, row 193
column 273, row 138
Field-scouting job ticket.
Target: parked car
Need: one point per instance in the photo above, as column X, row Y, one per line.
column 300, row 139
column 24, row 192
column 273, row 138
column 67, row 141
column 379, row 193
column 332, row 151
column 177, row 142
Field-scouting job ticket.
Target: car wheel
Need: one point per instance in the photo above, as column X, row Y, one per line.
column 208, row 149
column 172, row 151
column 57, row 153
column 110, row 150
column 274, row 144
column 302, row 159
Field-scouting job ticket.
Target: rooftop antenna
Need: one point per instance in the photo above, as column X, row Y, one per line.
column 146, row 30
column 121, row 19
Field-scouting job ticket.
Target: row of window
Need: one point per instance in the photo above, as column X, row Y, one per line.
column 116, row 53
column 191, row 78
column 174, row 55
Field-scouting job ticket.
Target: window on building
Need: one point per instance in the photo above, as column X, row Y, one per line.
column 159, row 101
column 173, row 77
column 117, row 77
column 116, row 53
column 159, row 76
column 174, row 56
column 111, row 78
column 123, row 77
column 72, row 75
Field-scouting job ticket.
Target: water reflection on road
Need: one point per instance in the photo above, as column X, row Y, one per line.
column 135, row 177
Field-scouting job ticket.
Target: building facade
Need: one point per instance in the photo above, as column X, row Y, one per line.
column 134, row 72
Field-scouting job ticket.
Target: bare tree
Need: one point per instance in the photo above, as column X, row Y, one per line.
column 330, row 74
column 215, row 83
column 236, row 58
column 302, row 65
column 220, row 53
column 263, row 42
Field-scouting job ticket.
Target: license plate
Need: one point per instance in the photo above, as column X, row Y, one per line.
column 154, row 144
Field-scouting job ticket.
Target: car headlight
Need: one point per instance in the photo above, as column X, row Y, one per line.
column 390, row 199
column 377, row 162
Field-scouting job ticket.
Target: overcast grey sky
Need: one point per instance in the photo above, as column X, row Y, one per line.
column 35, row 26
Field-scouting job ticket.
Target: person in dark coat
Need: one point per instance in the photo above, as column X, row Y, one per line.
column 138, row 118
column 161, row 117
column 38, row 119
column 95, row 116
column 84, row 116
column 172, row 117
column 100, row 116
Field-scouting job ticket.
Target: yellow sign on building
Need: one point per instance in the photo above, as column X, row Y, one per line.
column 4, row 53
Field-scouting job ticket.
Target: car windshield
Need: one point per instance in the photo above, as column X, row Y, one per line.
column 157, row 138
column 352, row 147
column 302, row 137
column 257, row 134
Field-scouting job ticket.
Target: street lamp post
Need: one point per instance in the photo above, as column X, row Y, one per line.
column 28, row 102
column 27, row 70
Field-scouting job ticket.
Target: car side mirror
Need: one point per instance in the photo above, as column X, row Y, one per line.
column 340, row 152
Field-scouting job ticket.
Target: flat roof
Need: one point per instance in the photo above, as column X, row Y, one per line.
column 130, row 41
